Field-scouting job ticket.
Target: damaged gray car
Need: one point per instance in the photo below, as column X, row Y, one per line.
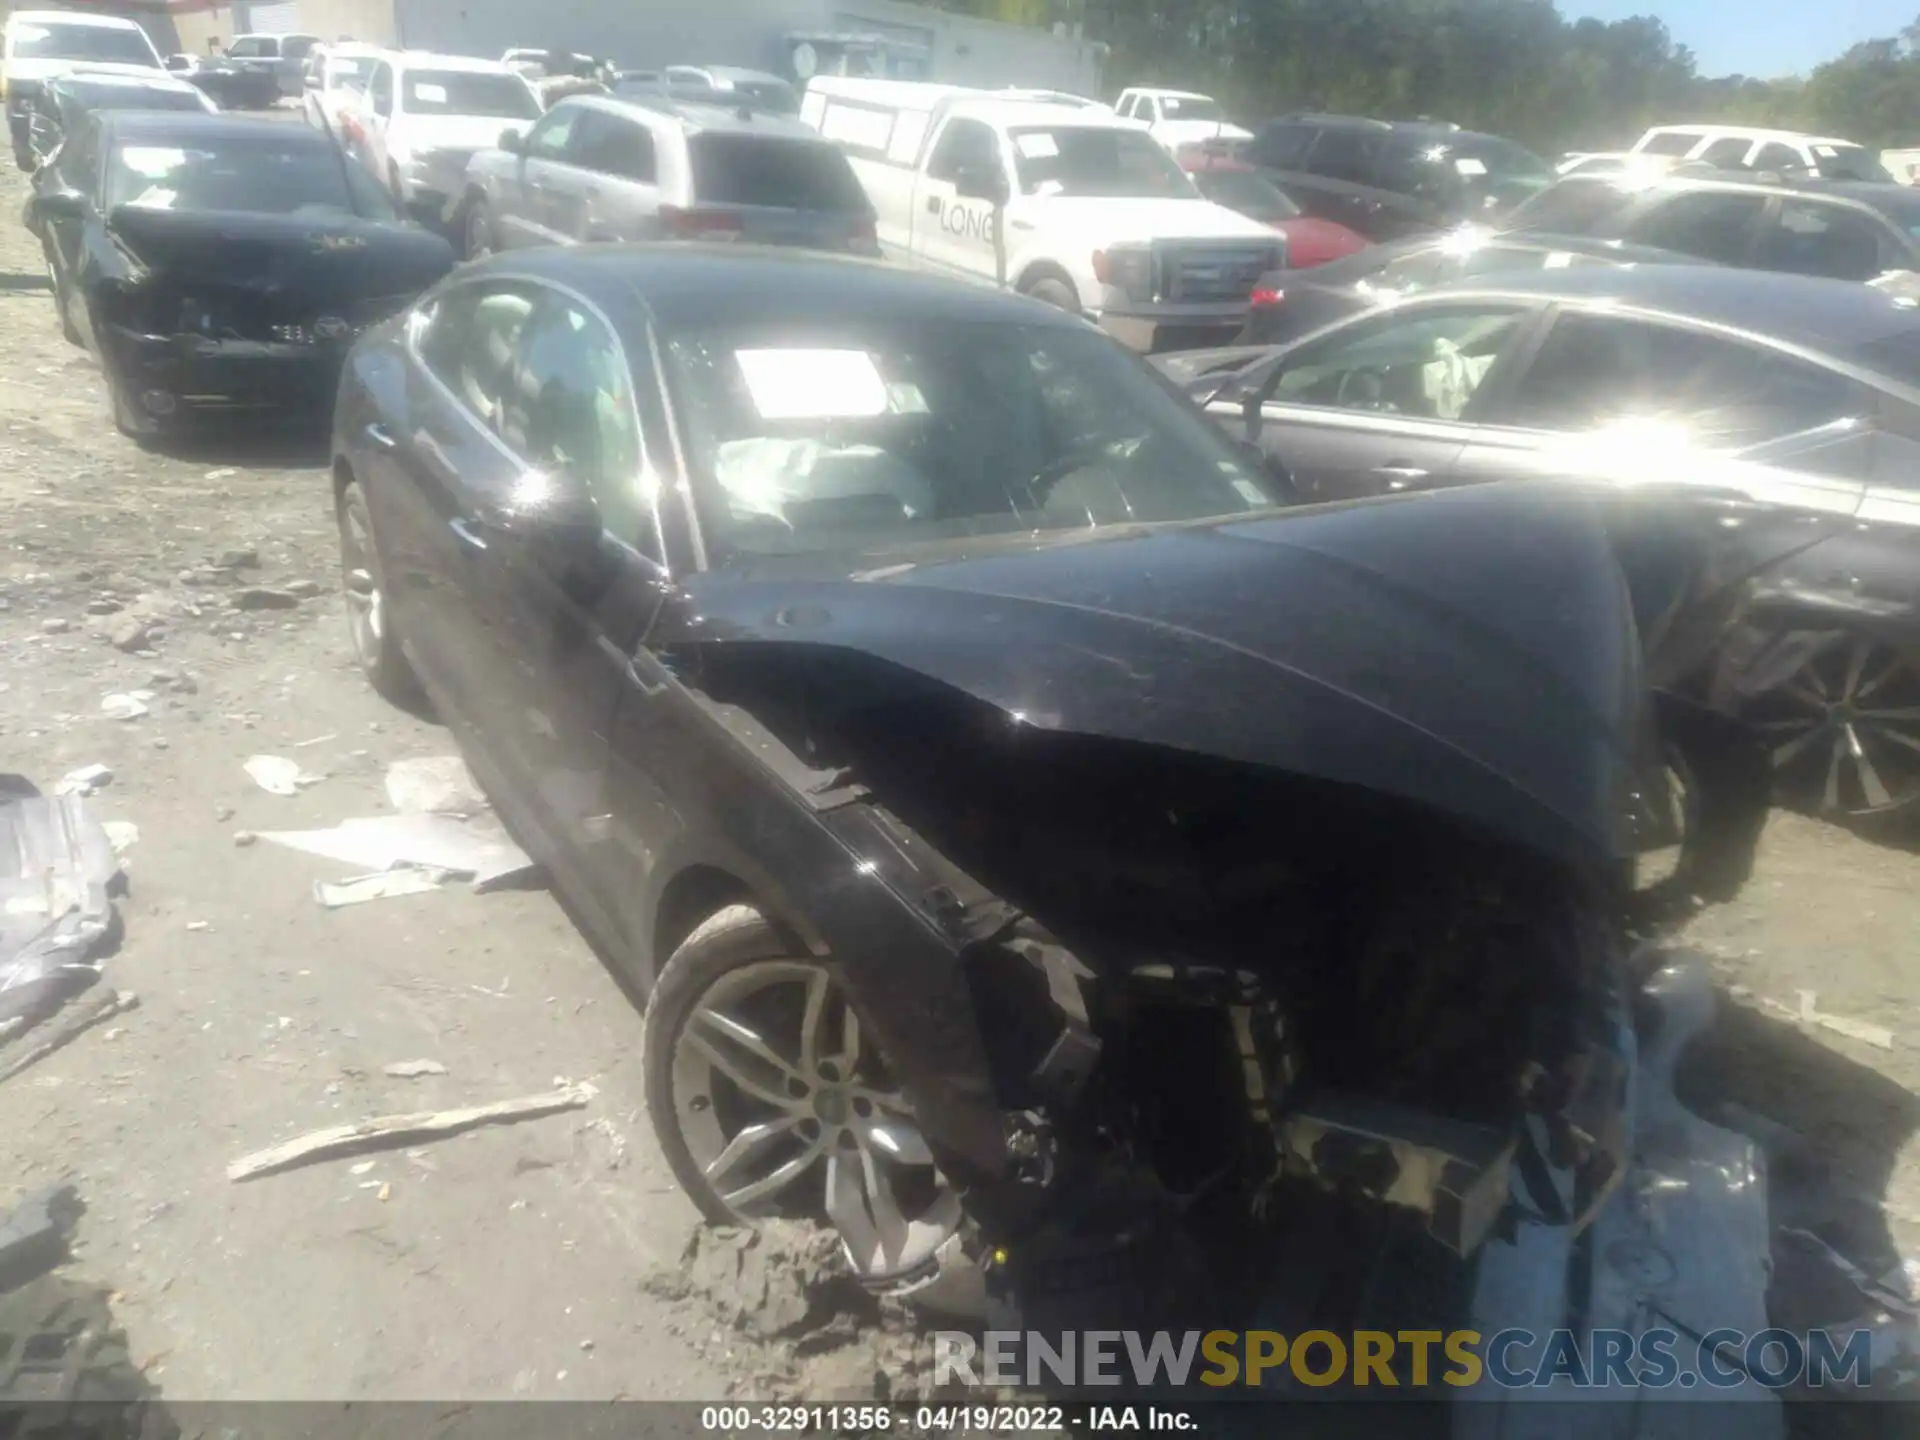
column 1073, row 874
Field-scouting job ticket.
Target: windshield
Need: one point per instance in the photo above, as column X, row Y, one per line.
column 1183, row 107
column 468, row 92
column 83, row 42
column 1850, row 162
column 1246, row 192
column 870, row 436
column 1083, row 160
column 263, row 177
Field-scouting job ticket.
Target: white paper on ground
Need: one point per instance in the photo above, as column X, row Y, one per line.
column 434, row 842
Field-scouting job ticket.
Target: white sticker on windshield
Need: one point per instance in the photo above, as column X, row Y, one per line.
column 430, row 94
column 1825, row 152
column 152, row 161
column 813, row 384
column 1467, row 165
column 1037, row 145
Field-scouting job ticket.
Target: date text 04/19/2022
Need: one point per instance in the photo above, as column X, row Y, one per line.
column 939, row 1420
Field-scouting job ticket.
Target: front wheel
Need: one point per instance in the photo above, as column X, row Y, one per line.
column 1845, row 728
column 1055, row 292
column 769, row 1099
column 369, row 625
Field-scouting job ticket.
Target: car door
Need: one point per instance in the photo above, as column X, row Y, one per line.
column 571, row 620
column 607, row 188
column 1385, row 403
column 1717, row 225
column 522, row 202
column 1638, row 399
column 951, row 233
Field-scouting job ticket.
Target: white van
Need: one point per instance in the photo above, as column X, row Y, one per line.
column 1095, row 216
column 1746, row 147
column 40, row 44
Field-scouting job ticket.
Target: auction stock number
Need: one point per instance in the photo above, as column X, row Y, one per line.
column 873, row 1419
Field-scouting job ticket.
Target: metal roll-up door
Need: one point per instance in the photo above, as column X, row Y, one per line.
column 268, row 17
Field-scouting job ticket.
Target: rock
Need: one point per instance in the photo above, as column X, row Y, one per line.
column 305, row 589
column 258, row 597
column 775, row 1280
column 104, row 606
column 55, row 626
column 223, row 813
column 135, row 632
column 244, row 838
column 247, row 558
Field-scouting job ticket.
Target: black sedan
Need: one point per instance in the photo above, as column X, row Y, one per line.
column 950, row 732
column 228, row 83
column 1288, row 304
column 220, row 266
column 1526, row 373
column 66, row 100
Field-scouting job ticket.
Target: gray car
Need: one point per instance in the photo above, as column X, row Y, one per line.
column 596, row 168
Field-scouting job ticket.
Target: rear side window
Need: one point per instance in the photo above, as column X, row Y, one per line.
column 1670, row 142
column 1706, row 224
column 1727, row 152
column 765, row 170
column 1808, row 238
column 1280, row 146
column 614, row 145
column 1344, row 154
column 1575, row 206
column 1775, row 156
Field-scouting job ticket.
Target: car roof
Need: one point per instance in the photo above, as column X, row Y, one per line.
column 685, row 284
column 435, row 60
column 70, row 17
column 1753, row 132
column 697, row 118
column 1170, row 94
column 1835, row 316
column 202, row 126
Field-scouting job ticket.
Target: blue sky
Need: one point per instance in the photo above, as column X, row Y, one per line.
column 1761, row 37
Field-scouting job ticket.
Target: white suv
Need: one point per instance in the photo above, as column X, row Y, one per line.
column 424, row 116
column 40, row 44
column 1742, row 147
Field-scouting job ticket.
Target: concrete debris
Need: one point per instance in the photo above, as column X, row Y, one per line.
column 395, row 1130
column 434, row 785
column 133, row 632
column 104, row 606
column 427, row 842
column 71, row 1026
column 57, row 873
column 413, row 1069
column 769, row 1281
column 122, row 835
column 123, row 707
column 246, row 558
column 279, row 776
column 85, row 781
column 259, row 597
column 55, row 626
column 382, row 885
column 33, row 1235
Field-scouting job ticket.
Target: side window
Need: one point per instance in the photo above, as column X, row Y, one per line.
column 1711, row 225
column 1343, row 153
column 1595, row 369
column 548, row 139
column 1125, row 110
column 246, row 47
column 613, row 145
column 570, row 411
column 1148, row 109
column 1280, row 146
column 1669, row 142
column 1729, row 152
column 470, row 343
column 380, row 90
column 1775, row 156
column 963, row 144
column 1426, row 365
column 1809, row 238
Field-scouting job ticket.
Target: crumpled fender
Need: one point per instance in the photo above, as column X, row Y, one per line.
column 1470, row 650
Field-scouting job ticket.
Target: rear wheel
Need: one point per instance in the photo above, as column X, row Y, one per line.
column 375, row 645
column 1056, row 292
column 1845, row 728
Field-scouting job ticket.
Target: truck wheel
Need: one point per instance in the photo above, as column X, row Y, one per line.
column 1056, row 292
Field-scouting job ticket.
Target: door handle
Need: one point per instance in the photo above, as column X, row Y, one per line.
column 378, row 434
column 1399, row 476
column 933, row 204
column 468, row 531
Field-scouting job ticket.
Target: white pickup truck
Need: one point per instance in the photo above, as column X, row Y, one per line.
column 1067, row 204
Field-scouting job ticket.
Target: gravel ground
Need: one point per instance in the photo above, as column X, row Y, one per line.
column 522, row 1260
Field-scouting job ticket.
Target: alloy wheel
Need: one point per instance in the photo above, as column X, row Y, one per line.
column 783, row 1109
column 1845, row 728
column 366, row 607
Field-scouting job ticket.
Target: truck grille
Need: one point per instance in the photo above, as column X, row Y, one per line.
column 1198, row 276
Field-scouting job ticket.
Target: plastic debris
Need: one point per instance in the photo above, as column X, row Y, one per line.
column 426, row 842
column 382, row 885
column 412, row 1069
column 398, row 1129
column 84, row 781
column 434, row 785
column 278, row 776
column 57, row 869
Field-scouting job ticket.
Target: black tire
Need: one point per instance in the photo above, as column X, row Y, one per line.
column 476, row 241
column 128, row 418
column 738, row 935
column 65, row 1368
column 1056, row 291
column 376, row 646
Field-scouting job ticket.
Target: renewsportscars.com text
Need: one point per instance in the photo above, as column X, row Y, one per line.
column 1380, row 1359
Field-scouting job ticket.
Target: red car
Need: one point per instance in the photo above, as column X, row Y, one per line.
column 1238, row 186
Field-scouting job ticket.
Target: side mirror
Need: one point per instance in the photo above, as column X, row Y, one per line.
column 512, row 141
column 60, row 205
column 981, row 182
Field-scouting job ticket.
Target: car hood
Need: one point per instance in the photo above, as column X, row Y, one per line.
column 1469, row 650
column 330, row 257
column 455, row 132
column 1105, row 220
column 48, row 68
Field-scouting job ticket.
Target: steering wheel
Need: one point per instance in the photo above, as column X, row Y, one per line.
column 1362, row 389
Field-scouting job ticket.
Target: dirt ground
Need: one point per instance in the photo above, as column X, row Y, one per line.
column 513, row 1262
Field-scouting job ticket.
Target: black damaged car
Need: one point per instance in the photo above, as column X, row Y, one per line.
column 218, row 266
column 1048, row 858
